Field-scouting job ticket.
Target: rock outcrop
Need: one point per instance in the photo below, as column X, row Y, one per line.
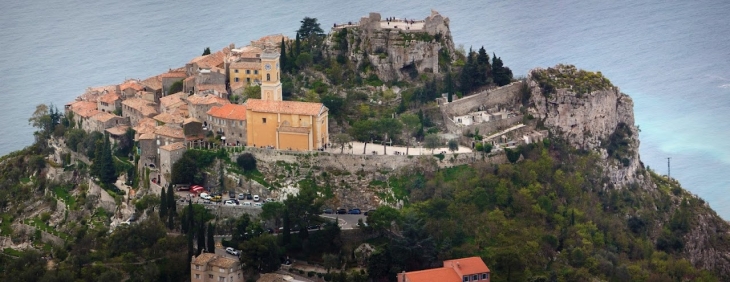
column 587, row 122
column 396, row 50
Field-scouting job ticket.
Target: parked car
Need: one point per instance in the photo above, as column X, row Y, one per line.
column 231, row 194
column 256, row 198
column 341, row 211
column 246, row 204
column 241, row 196
column 327, row 211
column 258, row 205
column 354, row 211
column 269, row 200
column 232, row 251
column 182, row 187
column 249, row 197
column 229, row 203
column 205, row 196
column 216, row 198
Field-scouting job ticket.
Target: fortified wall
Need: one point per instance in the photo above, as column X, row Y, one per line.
column 505, row 96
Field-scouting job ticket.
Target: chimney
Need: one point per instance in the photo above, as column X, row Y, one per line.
column 458, row 265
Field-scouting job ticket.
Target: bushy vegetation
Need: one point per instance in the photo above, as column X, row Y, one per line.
column 570, row 77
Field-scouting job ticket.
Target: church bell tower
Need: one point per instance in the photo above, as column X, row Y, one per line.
column 270, row 80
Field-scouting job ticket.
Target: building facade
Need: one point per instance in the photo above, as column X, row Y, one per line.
column 285, row 125
column 457, row 270
column 169, row 154
column 229, row 121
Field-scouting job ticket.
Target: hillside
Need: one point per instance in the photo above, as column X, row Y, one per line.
column 548, row 185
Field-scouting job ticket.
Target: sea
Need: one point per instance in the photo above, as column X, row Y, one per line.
column 672, row 57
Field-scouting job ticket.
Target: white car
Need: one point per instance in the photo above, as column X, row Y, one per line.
column 231, row 251
column 246, row 204
column 230, row 203
column 258, row 205
column 205, row 196
column 256, row 198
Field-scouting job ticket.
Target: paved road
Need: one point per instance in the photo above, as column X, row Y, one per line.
column 346, row 221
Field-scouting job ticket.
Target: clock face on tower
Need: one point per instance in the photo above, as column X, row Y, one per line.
column 267, row 67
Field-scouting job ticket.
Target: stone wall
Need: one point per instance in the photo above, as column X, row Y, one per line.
column 223, row 211
column 506, row 95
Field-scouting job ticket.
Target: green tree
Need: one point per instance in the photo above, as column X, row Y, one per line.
column 163, row 205
column 411, row 124
column 453, row 145
column 126, row 143
column 382, row 219
column 413, row 248
column 246, row 161
column 273, row 211
column 206, row 51
column 363, row 131
column 107, row 173
column 304, row 60
column 388, row 129
column 211, row 239
column 283, row 59
column 310, row 28
column 261, row 254
column 75, row 137
column 502, row 74
column 432, row 141
column 341, row 140
column 171, row 206
column 333, row 103
column 252, row 92
column 201, row 238
column 176, row 87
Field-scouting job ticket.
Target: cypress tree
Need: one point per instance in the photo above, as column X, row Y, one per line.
column 286, row 233
column 189, row 221
column 297, row 46
column 163, row 205
column 484, row 70
column 201, row 237
column 171, row 206
column 449, row 87
column 211, row 239
column 283, row 60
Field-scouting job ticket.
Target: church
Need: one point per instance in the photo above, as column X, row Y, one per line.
column 286, row 125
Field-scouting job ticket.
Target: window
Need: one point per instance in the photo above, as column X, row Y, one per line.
column 263, row 120
column 210, row 276
column 248, row 71
column 236, row 71
column 485, row 276
column 466, row 278
column 221, row 278
column 197, row 267
column 248, row 80
column 221, row 270
column 475, row 277
column 236, row 79
column 268, row 77
column 255, row 71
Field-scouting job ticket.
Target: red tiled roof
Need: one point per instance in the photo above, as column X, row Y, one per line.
column 207, row 100
column 154, row 82
column 171, row 100
column 443, row 274
column 168, row 118
column 131, row 84
column 170, row 131
column 84, row 108
column 143, row 106
column 212, row 60
column 118, row 130
column 110, row 98
column 220, row 88
column 173, row 147
column 177, row 73
column 229, row 111
column 246, row 65
column 285, row 107
column 467, row 266
column 103, row 116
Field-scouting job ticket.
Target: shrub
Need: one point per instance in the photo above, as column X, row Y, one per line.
column 246, row 161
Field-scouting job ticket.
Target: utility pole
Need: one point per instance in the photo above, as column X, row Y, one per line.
column 669, row 169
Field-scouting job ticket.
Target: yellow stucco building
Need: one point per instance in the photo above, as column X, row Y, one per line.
column 285, row 125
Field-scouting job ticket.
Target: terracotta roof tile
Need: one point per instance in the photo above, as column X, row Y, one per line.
column 154, row 83
column 212, row 60
column 467, row 266
column 207, row 100
column 103, row 116
column 223, row 262
column 143, row 106
column 220, row 88
column 173, row 147
column 172, row 99
column 229, row 111
column 443, row 274
column 273, row 40
column 84, row 108
column 109, row 97
column 177, row 73
column 118, row 130
column 285, row 107
column 170, row 131
column 131, row 84
column 246, row 65
column 168, row 118
column 145, row 125
column 204, row 258
column 146, row 136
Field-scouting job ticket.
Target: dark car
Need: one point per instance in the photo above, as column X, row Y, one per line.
column 327, row 211
column 354, row 211
column 314, row 227
column 368, row 212
column 231, row 194
column 249, row 196
column 341, row 211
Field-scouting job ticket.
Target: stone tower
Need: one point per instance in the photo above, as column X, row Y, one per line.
column 270, row 80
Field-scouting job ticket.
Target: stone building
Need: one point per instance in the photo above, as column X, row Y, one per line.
column 209, row 267
column 169, row 154
column 82, row 111
column 136, row 109
column 199, row 105
column 168, row 134
column 229, row 121
column 170, row 77
column 193, row 129
column 109, row 102
column 103, row 120
column 147, row 149
column 455, row 270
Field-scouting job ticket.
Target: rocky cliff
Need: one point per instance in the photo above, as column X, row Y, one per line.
column 601, row 120
column 394, row 49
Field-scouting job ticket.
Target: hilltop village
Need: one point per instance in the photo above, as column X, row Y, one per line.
column 378, row 151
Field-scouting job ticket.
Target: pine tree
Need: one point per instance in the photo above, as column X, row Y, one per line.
column 297, row 46
column 189, row 221
column 163, row 205
column 211, row 238
column 286, row 233
column 201, row 237
column 171, row 206
column 449, row 83
column 107, row 173
column 484, row 70
column 283, row 60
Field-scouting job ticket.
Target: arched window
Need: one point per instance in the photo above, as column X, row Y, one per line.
column 268, row 77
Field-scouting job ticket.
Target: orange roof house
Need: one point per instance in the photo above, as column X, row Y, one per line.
column 287, row 107
column 229, row 111
column 456, row 270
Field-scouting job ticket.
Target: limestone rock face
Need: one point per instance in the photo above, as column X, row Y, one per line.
column 394, row 51
column 587, row 121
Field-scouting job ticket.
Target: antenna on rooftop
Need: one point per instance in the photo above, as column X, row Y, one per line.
column 669, row 169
